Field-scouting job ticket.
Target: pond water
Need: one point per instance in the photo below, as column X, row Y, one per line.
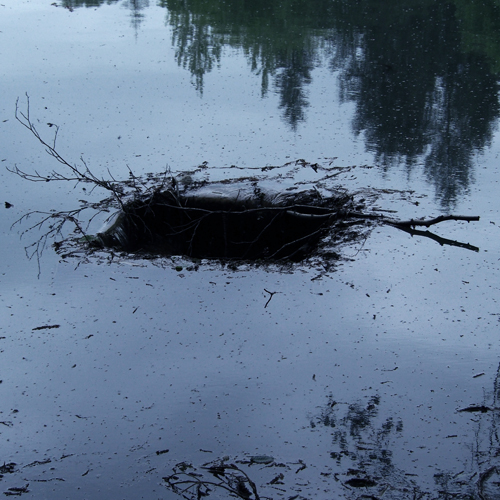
column 351, row 379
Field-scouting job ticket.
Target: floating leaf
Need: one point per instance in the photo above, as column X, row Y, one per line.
column 261, row 459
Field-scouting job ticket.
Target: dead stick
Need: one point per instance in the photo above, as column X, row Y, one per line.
column 439, row 239
column 430, row 222
column 270, row 296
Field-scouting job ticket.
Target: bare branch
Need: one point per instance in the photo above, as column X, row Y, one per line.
column 431, row 222
column 79, row 175
column 439, row 239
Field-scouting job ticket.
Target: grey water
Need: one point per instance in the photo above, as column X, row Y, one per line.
column 359, row 371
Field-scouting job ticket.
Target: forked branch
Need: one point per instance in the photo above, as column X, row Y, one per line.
column 78, row 174
column 430, row 222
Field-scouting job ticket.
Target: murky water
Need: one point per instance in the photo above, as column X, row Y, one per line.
column 357, row 375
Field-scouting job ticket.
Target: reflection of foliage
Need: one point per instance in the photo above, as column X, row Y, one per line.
column 417, row 93
column 420, row 95
column 272, row 36
column 480, row 28
column 362, row 442
column 290, row 83
column 461, row 111
column 135, row 6
column 198, row 45
column 422, row 73
column 86, row 3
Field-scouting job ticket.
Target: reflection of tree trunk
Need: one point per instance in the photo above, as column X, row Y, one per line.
column 496, row 387
column 486, row 464
column 495, row 417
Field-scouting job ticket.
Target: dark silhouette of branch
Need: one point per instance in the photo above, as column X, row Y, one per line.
column 427, row 223
column 409, row 225
column 77, row 174
column 54, row 222
column 439, row 239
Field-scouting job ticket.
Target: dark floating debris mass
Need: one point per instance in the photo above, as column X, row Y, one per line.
column 275, row 214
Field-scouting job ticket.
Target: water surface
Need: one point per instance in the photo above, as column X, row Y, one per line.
column 363, row 369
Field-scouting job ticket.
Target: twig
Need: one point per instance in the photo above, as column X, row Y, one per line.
column 409, row 225
column 79, row 176
column 427, row 223
column 270, row 296
column 54, row 228
column 439, row 239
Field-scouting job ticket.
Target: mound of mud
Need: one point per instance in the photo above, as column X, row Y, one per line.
column 228, row 221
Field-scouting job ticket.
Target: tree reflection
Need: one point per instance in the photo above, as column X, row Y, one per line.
column 273, row 38
column 86, row 3
column 422, row 74
column 135, row 6
column 363, row 440
column 423, row 91
column 419, row 95
column 197, row 43
column 462, row 116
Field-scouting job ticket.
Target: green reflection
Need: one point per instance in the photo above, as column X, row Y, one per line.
column 418, row 93
column 480, row 28
column 278, row 38
column 423, row 74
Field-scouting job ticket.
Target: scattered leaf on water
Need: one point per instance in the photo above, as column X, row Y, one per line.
column 261, row 459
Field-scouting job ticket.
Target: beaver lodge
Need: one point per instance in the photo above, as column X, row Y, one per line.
column 230, row 221
column 283, row 213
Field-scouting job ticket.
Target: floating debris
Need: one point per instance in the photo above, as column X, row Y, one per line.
column 283, row 214
column 261, row 459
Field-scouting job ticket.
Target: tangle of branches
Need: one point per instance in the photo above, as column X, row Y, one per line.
column 169, row 215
